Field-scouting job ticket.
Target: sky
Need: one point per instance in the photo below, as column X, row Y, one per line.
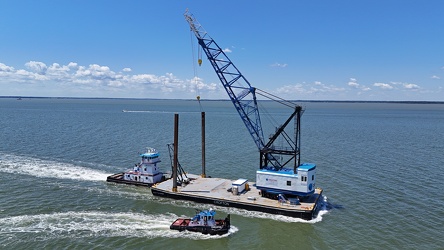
column 365, row 50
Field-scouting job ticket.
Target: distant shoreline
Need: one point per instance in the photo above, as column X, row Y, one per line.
column 206, row 100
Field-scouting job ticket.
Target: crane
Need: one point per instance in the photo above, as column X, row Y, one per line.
column 243, row 95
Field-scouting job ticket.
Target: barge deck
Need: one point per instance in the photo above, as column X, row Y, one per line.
column 217, row 191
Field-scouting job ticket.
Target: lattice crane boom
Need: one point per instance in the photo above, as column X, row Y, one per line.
column 243, row 96
column 241, row 93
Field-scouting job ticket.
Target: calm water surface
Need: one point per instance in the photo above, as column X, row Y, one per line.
column 380, row 165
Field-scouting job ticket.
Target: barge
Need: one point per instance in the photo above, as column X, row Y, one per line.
column 145, row 173
column 238, row 194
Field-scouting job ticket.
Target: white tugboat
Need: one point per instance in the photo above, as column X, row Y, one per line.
column 145, row 173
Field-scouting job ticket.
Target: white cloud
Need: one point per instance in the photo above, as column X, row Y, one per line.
column 144, row 78
column 24, row 75
column 435, row 77
column 227, row 50
column 383, row 85
column 397, row 85
column 291, row 89
column 404, row 85
column 40, row 79
column 5, row 68
column 60, row 72
column 72, row 65
column 411, row 86
column 38, row 67
column 200, row 85
column 279, row 65
column 94, row 78
column 308, row 90
column 353, row 83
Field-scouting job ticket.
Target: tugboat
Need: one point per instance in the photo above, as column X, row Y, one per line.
column 145, row 173
column 203, row 222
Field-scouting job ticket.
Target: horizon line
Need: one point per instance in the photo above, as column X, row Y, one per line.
column 187, row 99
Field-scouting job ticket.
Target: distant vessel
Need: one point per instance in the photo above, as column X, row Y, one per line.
column 203, row 222
column 145, row 173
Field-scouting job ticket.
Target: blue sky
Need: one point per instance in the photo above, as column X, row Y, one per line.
column 389, row 50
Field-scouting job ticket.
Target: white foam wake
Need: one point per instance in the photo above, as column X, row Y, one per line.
column 48, row 169
column 97, row 224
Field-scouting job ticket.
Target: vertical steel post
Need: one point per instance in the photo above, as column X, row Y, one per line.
column 203, row 145
column 176, row 146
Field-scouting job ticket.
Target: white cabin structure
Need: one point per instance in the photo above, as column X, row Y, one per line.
column 147, row 170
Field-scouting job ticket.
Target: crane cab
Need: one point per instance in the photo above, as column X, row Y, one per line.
column 306, row 173
column 285, row 181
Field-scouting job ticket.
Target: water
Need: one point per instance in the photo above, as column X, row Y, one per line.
column 378, row 163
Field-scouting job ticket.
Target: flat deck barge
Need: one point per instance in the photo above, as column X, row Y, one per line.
column 217, row 191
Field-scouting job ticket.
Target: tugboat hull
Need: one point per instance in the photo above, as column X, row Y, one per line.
column 219, row 228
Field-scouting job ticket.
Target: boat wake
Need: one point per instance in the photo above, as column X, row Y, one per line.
column 276, row 217
column 327, row 205
column 95, row 224
column 14, row 164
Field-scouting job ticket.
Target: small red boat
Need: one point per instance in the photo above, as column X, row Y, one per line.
column 203, row 222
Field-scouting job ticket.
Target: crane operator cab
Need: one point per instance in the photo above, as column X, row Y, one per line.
column 285, row 181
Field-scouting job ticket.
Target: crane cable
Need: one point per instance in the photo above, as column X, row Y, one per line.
column 196, row 77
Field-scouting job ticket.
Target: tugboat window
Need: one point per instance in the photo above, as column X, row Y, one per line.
column 288, row 183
